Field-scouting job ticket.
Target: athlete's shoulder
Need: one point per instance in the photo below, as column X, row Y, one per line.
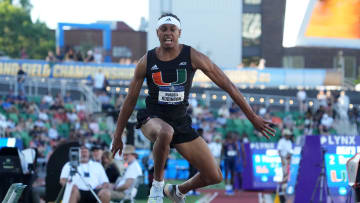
column 198, row 59
column 142, row 61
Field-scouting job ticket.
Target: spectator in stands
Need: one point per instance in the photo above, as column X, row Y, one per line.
column 124, row 185
column 79, row 56
column 70, row 55
column 285, row 148
column 230, row 151
column 96, row 153
column 224, row 111
column 325, row 124
column 301, row 97
column 119, row 102
column 322, row 98
column 21, row 76
column 99, row 81
column 48, row 99
column 111, row 169
column 98, row 57
column 80, row 106
column 58, row 55
column 215, row 147
column 308, row 123
column 50, row 57
column 67, row 98
column 93, row 173
column 89, row 56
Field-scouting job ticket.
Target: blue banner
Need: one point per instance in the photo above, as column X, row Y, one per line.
column 269, row 77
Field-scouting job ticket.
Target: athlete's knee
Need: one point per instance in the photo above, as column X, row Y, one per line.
column 213, row 176
column 166, row 133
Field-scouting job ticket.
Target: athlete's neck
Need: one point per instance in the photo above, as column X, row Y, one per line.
column 168, row 54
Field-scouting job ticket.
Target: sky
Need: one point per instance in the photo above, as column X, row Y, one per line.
column 52, row 12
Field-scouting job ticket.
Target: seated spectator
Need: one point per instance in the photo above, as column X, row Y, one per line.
column 58, row 55
column 90, row 56
column 70, row 55
column 96, row 153
column 50, row 57
column 124, row 185
column 48, row 99
column 93, row 173
column 112, row 171
column 67, row 98
column 325, row 124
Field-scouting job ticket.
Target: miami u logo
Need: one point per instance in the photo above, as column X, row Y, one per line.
column 180, row 75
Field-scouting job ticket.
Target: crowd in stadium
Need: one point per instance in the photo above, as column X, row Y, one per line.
column 42, row 122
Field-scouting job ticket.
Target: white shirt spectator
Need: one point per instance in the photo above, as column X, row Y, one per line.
column 72, row 116
column 53, row 133
column 224, row 111
column 80, row 107
column 327, row 121
column 285, row 147
column 133, row 171
column 94, row 126
column 96, row 175
column 48, row 99
column 43, row 116
column 215, row 149
column 99, row 79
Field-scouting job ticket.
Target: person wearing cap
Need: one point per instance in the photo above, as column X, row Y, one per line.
column 96, row 153
column 284, row 148
column 94, row 175
column 124, row 185
column 169, row 70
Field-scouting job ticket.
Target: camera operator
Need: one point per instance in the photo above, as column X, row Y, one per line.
column 94, row 175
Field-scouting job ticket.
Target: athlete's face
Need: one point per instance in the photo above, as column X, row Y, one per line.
column 168, row 35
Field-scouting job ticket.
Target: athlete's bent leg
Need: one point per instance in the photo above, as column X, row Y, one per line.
column 203, row 160
column 161, row 134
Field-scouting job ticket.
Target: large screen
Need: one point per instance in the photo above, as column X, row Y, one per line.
column 338, row 150
column 266, row 166
column 322, row 23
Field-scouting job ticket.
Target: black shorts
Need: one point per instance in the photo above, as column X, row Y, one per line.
column 230, row 164
column 87, row 196
column 183, row 132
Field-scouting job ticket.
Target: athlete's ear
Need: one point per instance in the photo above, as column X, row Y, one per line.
column 157, row 33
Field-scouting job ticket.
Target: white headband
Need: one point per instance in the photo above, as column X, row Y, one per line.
column 168, row 20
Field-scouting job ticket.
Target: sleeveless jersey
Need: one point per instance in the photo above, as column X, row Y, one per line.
column 169, row 82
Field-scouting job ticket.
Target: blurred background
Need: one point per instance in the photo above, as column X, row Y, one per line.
column 65, row 67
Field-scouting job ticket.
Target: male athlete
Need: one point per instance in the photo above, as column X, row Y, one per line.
column 169, row 71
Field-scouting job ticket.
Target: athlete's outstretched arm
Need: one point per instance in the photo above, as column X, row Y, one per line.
column 202, row 62
column 129, row 104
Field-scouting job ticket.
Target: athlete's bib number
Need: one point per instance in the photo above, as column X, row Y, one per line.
column 231, row 153
column 171, row 95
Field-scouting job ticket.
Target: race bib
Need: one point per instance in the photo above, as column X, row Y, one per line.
column 171, row 95
column 231, row 153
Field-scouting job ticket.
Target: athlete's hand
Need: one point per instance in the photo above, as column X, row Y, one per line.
column 117, row 144
column 262, row 126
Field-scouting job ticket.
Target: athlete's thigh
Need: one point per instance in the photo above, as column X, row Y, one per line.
column 153, row 126
column 198, row 154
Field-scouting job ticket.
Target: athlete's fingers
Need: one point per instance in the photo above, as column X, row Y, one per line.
column 264, row 134
column 268, row 132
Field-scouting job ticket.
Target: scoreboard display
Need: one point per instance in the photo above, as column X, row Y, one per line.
column 338, row 150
